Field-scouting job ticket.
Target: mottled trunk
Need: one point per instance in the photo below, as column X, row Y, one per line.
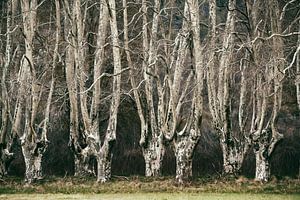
column 5, row 155
column 264, row 145
column 83, row 164
column 104, row 162
column 262, row 170
column 153, row 154
column 105, row 155
column 33, row 155
column 232, row 157
column 183, row 166
column 184, row 154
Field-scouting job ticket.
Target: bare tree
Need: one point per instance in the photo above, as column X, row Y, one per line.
column 32, row 131
column 219, row 75
column 171, row 84
column 187, row 138
column 268, row 57
column 151, row 137
column 86, row 143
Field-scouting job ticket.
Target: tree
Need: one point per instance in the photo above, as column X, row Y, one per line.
column 86, row 143
column 187, row 138
column 233, row 142
column 171, row 85
column 268, row 57
column 26, row 123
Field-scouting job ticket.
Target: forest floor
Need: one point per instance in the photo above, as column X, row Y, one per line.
column 149, row 188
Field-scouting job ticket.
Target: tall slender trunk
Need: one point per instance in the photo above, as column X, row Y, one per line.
column 33, row 142
column 5, row 155
column 105, row 156
column 267, row 136
column 220, row 93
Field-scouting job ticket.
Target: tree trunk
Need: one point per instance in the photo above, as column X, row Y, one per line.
column 262, row 170
column 5, row 159
column 232, row 158
column 184, row 154
column 84, row 165
column 33, row 154
column 264, row 144
column 261, row 150
column 104, row 162
column 153, row 154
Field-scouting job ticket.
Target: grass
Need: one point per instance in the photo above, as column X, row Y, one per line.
column 152, row 196
column 136, row 185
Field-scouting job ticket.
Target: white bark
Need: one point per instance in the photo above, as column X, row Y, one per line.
column 153, row 155
column 262, row 170
column 33, row 147
column 80, row 142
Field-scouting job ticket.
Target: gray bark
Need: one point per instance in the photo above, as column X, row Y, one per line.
column 262, row 155
column 105, row 156
column 151, row 136
column 75, row 78
column 5, row 159
column 33, row 142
